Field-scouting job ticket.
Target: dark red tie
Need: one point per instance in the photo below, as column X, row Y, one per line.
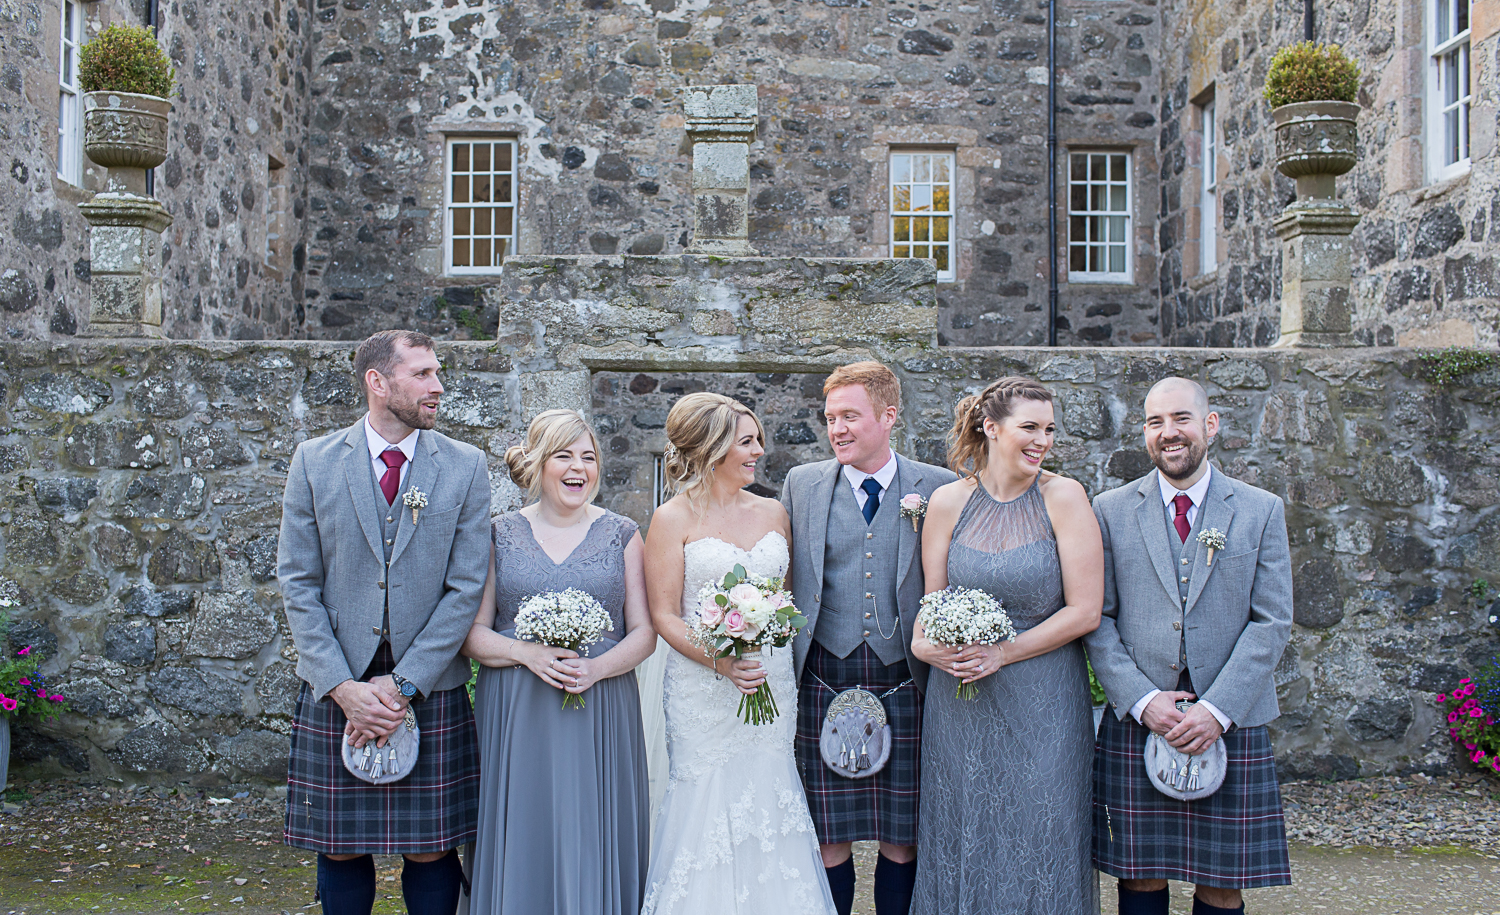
column 395, row 457
column 1183, row 503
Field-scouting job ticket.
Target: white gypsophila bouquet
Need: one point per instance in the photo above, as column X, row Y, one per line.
column 964, row 616
column 739, row 616
column 570, row 619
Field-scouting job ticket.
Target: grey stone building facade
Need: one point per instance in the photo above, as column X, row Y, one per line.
column 313, row 152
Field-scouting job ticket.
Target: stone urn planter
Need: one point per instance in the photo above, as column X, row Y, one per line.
column 126, row 132
column 1315, row 143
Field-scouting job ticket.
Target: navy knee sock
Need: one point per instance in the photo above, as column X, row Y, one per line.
column 346, row 887
column 841, row 885
column 1202, row 908
column 432, row 888
column 893, row 886
column 1133, row 903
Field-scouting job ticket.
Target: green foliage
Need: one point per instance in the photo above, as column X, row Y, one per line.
column 1309, row 72
column 1095, row 690
column 125, row 58
column 1469, row 711
column 23, row 689
column 1479, row 589
column 1446, row 366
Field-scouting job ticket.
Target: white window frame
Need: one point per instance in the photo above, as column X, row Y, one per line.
column 1448, row 73
column 455, row 211
column 1089, row 213
column 1208, row 200
column 69, row 98
column 921, row 206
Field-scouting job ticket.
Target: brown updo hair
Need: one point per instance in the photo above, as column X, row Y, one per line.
column 968, row 448
column 700, row 431
column 550, row 432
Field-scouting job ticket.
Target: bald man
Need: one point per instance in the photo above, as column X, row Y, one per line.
column 1181, row 626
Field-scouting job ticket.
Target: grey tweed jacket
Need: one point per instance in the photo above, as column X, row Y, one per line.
column 332, row 569
column 807, row 495
column 1236, row 619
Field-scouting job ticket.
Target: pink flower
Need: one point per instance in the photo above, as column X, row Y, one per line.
column 25, row 682
column 911, row 501
column 710, row 613
column 743, row 593
column 734, row 623
column 24, row 652
column 1476, row 713
column 1442, row 697
column 57, row 697
column 8, row 704
column 1453, row 717
column 1466, row 681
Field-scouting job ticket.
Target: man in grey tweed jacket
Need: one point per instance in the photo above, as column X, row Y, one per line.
column 1180, row 622
column 382, row 561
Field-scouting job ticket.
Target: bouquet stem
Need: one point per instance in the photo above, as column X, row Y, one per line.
column 967, row 691
column 758, row 707
column 572, row 699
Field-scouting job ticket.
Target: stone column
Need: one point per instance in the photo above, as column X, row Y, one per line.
column 125, row 259
column 721, row 126
column 1316, row 306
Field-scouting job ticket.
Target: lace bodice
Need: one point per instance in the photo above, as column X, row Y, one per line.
column 710, row 559
column 596, row 565
column 1009, row 550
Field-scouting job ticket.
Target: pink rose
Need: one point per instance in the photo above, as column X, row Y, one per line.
column 911, row 502
column 743, row 593
column 710, row 613
column 777, row 601
column 734, row 623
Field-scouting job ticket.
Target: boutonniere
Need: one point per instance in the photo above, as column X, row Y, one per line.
column 416, row 500
column 1213, row 538
column 913, row 506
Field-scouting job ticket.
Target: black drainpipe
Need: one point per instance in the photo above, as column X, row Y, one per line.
column 1052, row 171
column 1308, row 32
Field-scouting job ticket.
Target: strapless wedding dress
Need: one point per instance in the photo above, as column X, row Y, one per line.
column 733, row 834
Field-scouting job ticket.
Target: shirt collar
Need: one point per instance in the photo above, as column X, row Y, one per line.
column 1196, row 492
column 884, row 476
column 378, row 444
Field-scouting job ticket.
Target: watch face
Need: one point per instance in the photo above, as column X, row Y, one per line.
column 408, row 689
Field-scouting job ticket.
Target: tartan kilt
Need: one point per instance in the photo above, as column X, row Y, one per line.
column 435, row 808
column 884, row 806
column 1234, row 839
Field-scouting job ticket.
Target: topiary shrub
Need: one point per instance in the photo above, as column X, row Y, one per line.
column 125, row 58
column 1309, row 72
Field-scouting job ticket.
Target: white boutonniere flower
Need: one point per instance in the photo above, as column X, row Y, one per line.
column 1213, row 538
column 913, row 506
column 416, row 500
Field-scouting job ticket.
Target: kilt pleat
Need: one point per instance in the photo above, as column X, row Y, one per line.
column 435, row 808
column 884, row 806
column 1234, row 839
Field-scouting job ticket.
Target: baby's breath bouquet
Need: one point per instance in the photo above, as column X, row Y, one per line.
column 570, row 619
column 964, row 616
column 739, row 616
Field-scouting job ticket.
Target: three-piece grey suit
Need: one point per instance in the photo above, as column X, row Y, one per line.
column 368, row 592
column 859, row 585
column 1173, row 621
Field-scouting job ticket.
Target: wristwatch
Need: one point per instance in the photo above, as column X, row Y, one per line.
column 408, row 688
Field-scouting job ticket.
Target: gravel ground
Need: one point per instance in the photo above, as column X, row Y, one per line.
column 1389, row 845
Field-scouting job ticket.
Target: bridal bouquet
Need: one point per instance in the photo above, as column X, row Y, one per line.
column 739, row 616
column 570, row 619
column 964, row 616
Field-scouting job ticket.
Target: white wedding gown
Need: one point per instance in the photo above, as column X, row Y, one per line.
column 733, row 834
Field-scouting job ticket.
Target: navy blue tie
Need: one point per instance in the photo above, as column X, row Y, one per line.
column 871, row 486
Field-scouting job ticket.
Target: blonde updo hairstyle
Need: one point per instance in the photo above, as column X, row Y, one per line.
column 550, row 431
column 968, row 446
column 700, row 431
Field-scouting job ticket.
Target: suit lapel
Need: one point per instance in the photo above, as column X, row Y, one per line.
column 820, row 502
column 906, row 537
column 357, row 471
column 423, row 476
column 1149, row 514
column 1217, row 512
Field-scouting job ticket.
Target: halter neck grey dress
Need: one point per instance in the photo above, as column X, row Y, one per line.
column 1007, row 792
column 563, row 804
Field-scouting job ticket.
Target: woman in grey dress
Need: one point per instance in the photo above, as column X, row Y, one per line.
column 563, row 805
column 1007, row 796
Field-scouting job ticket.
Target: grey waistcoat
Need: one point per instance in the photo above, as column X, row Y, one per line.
column 1181, row 551
column 390, row 524
column 859, row 576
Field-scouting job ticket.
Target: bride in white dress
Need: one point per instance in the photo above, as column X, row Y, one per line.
column 733, row 834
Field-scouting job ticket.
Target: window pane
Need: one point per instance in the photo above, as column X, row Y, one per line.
column 1080, row 168
column 1117, row 228
column 460, row 157
column 460, row 252
column 462, row 222
column 921, row 198
column 501, row 244
column 941, row 253
column 481, row 157
column 920, row 228
column 481, row 188
column 940, row 198
column 901, row 200
column 920, row 168
column 920, row 251
column 1116, row 259
column 1117, row 198
column 502, row 221
column 902, row 230
column 1462, row 8
column 1078, row 197
column 502, row 188
column 940, row 169
column 1096, row 197
column 940, row 228
column 1117, row 168
column 1078, row 259
column 900, row 169
column 902, row 251
column 1096, row 261
column 1076, row 228
column 1442, row 22
column 482, row 221
column 482, row 252
column 460, row 189
column 502, row 157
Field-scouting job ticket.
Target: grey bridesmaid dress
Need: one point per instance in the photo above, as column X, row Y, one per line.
column 563, row 802
column 1007, row 791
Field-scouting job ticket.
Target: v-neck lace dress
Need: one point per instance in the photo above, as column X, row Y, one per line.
column 563, row 805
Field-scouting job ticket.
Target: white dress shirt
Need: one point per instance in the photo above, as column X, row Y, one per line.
column 1197, row 492
column 378, row 446
column 884, row 476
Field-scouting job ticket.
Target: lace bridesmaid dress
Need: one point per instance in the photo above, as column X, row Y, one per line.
column 1007, row 790
column 733, row 834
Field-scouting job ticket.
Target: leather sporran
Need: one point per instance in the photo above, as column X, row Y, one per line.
column 856, row 739
column 1184, row 777
column 390, row 763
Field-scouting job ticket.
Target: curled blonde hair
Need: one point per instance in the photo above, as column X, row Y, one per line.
column 550, row 432
column 700, row 431
column 968, row 449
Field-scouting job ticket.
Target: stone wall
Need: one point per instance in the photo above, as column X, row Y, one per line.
column 1423, row 264
column 236, row 159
